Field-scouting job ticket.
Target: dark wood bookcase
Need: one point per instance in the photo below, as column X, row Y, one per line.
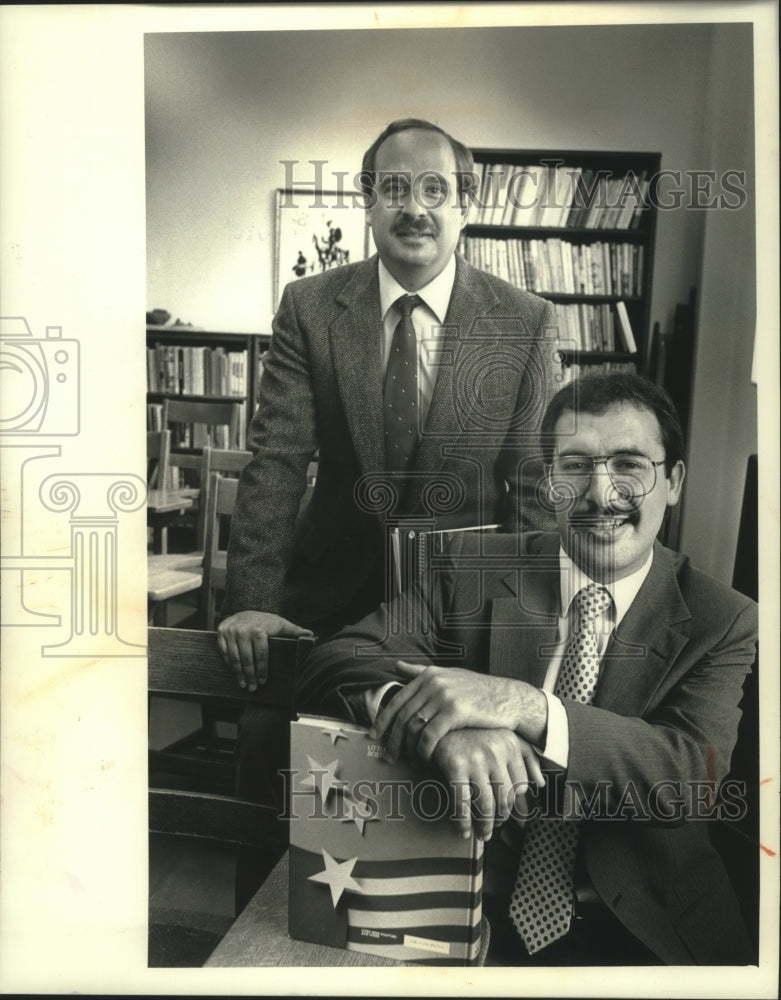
column 566, row 205
column 185, row 363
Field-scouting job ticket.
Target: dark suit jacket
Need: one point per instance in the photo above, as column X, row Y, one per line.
column 664, row 716
column 322, row 390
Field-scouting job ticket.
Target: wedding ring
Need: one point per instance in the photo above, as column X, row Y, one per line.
column 422, row 718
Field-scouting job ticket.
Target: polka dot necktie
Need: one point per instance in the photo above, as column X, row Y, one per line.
column 541, row 903
column 401, row 390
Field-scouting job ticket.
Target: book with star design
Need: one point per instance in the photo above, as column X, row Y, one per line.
column 375, row 862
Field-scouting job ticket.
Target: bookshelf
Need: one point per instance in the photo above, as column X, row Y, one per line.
column 189, row 364
column 577, row 228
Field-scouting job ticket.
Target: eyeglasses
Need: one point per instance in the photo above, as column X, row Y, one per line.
column 632, row 476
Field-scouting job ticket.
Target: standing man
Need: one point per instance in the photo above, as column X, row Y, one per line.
column 595, row 655
column 417, row 380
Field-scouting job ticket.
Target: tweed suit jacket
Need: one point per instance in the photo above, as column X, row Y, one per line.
column 321, row 392
column 663, row 722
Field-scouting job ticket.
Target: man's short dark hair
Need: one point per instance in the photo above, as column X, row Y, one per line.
column 465, row 164
column 595, row 393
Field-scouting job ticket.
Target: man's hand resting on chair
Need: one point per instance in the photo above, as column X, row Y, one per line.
column 243, row 642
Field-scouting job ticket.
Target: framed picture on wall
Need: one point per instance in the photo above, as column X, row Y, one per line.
column 316, row 231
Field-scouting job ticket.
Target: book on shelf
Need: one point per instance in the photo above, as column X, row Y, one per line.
column 178, row 370
column 375, row 863
column 502, row 173
column 477, row 184
column 555, row 265
column 586, row 326
column 489, row 192
column 580, row 200
column 154, row 416
column 558, row 195
column 537, row 195
column 580, row 368
column 511, row 195
column 624, row 325
column 515, row 201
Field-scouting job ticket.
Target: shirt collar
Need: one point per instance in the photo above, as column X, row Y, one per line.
column 436, row 294
column 623, row 592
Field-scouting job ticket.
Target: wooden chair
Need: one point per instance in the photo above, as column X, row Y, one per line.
column 206, row 423
column 158, row 453
column 163, row 585
column 207, row 413
column 222, row 499
column 169, row 575
column 226, row 461
column 166, row 580
column 175, row 574
column 207, row 577
column 229, row 462
column 158, row 448
column 187, row 666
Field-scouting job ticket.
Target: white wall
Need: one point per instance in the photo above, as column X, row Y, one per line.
column 224, row 109
column 724, row 413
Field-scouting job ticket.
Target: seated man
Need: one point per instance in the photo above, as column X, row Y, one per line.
column 596, row 655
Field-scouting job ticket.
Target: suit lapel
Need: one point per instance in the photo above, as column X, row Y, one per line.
column 524, row 622
column 640, row 654
column 646, row 644
column 356, row 338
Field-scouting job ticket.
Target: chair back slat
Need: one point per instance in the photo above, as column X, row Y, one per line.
column 188, row 664
column 223, row 460
column 222, row 499
column 158, row 451
column 215, row 817
column 211, row 413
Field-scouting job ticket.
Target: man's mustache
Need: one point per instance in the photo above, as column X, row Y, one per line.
column 413, row 229
column 625, row 510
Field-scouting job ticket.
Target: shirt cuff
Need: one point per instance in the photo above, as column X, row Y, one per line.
column 556, row 747
column 373, row 697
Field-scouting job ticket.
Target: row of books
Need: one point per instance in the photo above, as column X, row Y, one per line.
column 588, row 327
column 196, row 371
column 556, row 195
column 197, row 435
column 557, row 266
column 577, row 370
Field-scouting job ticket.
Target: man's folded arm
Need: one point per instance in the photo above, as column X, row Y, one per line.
column 344, row 670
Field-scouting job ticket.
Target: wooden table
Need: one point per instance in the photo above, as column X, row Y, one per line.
column 259, row 936
column 162, row 503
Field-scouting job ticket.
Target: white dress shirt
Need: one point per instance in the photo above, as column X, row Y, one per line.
column 427, row 320
column 571, row 580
